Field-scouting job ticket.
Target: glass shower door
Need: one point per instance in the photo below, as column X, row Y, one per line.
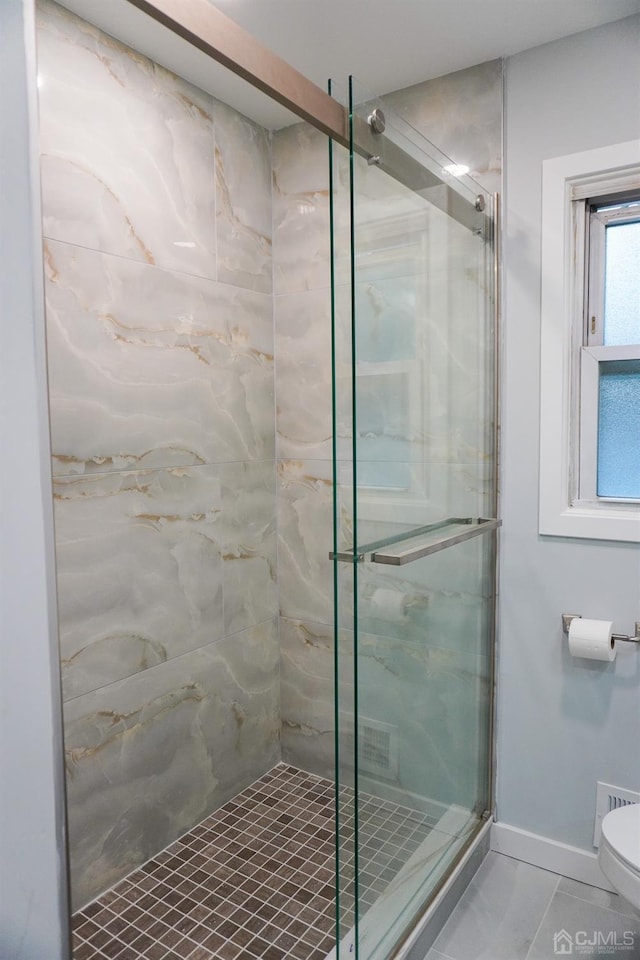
column 415, row 525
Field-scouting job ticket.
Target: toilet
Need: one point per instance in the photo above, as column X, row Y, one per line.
column 619, row 852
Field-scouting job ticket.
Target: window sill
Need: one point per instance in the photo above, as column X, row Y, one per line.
column 593, row 520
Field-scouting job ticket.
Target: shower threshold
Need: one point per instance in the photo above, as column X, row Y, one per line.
column 255, row 879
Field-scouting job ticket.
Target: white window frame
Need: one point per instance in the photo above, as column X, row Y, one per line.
column 568, row 367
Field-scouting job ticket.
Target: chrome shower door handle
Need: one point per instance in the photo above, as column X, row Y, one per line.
column 456, row 531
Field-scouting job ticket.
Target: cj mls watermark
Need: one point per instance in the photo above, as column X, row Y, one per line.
column 583, row 943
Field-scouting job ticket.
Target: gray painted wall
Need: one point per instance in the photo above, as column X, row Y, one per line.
column 33, row 909
column 563, row 724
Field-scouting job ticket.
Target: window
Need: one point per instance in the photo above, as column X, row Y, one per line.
column 610, row 356
column 590, row 379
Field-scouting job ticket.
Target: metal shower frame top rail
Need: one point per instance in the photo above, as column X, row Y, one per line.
column 201, row 24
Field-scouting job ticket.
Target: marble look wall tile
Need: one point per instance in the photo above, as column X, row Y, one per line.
column 307, row 696
column 423, row 389
column 440, row 602
column 390, row 222
column 461, row 113
column 150, row 756
column 139, row 571
column 248, row 533
column 437, row 743
column 423, row 338
column 305, row 540
column 300, row 209
column 151, row 368
column 127, row 149
column 462, row 489
column 422, row 493
column 243, row 200
column 303, row 374
column 433, row 704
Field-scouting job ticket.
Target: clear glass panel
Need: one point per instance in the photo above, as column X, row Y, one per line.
column 424, row 671
column 619, row 429
column 414, row 445
column 622, row 284
column 339, row 195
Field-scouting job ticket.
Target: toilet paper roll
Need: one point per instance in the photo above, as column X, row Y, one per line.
column 592, row 639
column 389, row 604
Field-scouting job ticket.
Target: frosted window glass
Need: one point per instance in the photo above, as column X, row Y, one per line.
column 619, row 429
column 622, row 284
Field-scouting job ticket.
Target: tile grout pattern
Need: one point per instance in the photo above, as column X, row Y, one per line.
column 388, row 835
column 177, row 657
column 255, row 879
column 513, row 910
column 545, row 912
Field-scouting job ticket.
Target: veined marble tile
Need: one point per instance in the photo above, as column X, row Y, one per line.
column 389, row 219
column 433, row 705
column 461, row 113
column 423, row 640
column 300, row 209
column 139, row 571
column 151, row 368
column 341, row 170
column 150, row 756
column 343, row 371
column 303, row 374
column 248, row 533
column 243, row 200
column 307, row 695
column 414, row 494
column 305, row 540
column 422, row 347
column 423, row 493
column 127, row 149
column 440, row 602
column 463, row 489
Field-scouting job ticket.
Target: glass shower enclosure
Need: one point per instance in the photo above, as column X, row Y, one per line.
column 415, row 521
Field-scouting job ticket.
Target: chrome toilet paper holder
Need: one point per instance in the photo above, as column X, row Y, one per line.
column 620, row 637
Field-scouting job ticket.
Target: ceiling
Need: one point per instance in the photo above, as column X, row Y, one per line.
column 386, row 44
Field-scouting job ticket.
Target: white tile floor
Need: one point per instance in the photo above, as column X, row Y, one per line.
column 514, row 911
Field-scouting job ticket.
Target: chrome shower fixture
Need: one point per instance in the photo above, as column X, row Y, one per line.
column 377, row 120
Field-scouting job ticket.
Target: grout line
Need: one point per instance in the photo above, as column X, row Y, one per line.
column 179, row 271
column 161, row 468
column 203, row 852
column 600, row 906
column 544, row 915
column 164, row 663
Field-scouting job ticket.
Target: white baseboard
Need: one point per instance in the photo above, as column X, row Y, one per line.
column 549, row 854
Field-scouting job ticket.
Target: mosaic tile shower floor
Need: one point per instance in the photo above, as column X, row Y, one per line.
column 255, row 879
